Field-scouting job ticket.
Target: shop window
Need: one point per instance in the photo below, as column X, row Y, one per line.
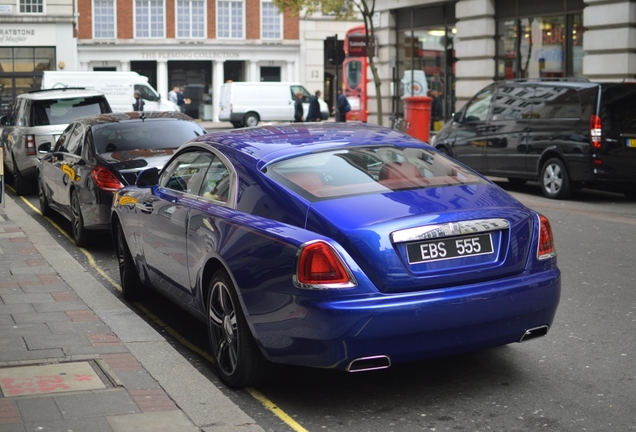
column 191, row 18
column 104, row 19
column 230, row 18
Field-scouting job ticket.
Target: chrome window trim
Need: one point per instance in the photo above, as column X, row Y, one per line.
column 450, row 229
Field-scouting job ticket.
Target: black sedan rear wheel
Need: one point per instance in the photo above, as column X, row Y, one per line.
column 131, row 285
column 238, row 360
column 80, row 234
column 44, row 202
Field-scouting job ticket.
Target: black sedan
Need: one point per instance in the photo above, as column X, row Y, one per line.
column 98, row 155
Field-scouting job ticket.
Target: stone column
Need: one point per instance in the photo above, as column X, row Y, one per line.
column 252, row 71
column 610, row 40
column 474, row 47
column 218, row 78
column 162, row 78
column 125, row 66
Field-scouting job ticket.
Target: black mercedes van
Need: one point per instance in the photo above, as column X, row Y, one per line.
column 565, row 134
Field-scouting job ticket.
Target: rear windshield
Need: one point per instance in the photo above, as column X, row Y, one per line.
column 64, row 111
column 619, row 107
column 148, row 134
column 362, row 170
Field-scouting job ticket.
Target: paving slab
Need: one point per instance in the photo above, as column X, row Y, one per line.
column 47, row 379
column 152, row 422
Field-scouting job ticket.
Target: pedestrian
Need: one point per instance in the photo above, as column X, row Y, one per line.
column 139, row 103
column 172, row 95
column 436, row 91
column 180, row 99
column 343, row 107
column 298, row 108
column 313, row 113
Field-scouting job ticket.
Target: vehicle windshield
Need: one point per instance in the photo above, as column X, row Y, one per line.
column 362, row 170
column 63, row 111
column 148, row 134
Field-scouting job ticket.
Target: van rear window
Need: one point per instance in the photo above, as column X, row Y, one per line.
column 619, row 106
column 556, row 102
column 63, row 111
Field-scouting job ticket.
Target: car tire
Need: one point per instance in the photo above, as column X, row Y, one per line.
column 80, row 233
column 238, row 360
column 44, row 202
column 555, row 181
column 250, row 120
column 131, row 286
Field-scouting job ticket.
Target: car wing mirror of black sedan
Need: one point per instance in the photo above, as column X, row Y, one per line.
column 44, row 148
column 148, row 178
column 458, row 117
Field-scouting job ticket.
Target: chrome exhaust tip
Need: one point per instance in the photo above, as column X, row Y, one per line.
column 365, row 364
column 534, row 333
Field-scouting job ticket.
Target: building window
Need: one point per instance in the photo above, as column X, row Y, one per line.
column 271, row 21
column 190, row 18
column 31, row 6
column 149, row 18
column 230, row 19
column 104, row 19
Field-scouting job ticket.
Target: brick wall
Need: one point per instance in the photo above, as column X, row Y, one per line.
column 85, row 23
column 253, row 19
column 291, row 26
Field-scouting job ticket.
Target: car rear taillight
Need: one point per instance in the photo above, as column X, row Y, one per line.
column 546, row 241
column 105, row 180
column 596, row 130
column 319, row 264
column 29, row 144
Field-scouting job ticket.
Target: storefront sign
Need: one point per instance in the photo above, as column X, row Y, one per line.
column 6, row 9
column 34, row 35
column 191, row 55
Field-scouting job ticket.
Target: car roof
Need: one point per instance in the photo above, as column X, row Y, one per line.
column 66, row 93
column 264, row 144
column 132, row 116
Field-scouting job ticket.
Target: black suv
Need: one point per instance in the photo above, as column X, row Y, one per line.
column 565, row 134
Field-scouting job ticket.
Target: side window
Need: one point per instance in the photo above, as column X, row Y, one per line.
column 76, row 140
column 146, row 92
column 217, row 182
column 61, row 141
column 555, row 102
column 512, row 103
column 187, row 172
column 300, row 89
column 477, row 109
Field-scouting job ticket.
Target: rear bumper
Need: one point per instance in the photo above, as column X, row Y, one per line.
column 408, row 327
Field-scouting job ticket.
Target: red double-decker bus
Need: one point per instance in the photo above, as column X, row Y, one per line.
column 354, row 73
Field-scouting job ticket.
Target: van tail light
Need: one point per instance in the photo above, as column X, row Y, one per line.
column 319, row 264
column 29, row 144
column 105, row 180
column 546, row 240
column 596, row 130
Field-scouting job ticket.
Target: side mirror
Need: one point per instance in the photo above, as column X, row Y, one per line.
column 44, row 148
column 148, row 178
column 458, row 117
column 4, row 121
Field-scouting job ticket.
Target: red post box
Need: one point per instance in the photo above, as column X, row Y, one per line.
column 417, row 117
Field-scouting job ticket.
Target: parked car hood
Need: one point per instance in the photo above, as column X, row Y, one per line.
column 363, row 226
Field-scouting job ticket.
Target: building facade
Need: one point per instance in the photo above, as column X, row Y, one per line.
column 470, row 43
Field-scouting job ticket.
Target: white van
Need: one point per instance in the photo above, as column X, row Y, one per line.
column 119, row 88
column 248, row 103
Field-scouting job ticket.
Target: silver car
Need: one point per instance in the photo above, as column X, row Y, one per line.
column 38, row 117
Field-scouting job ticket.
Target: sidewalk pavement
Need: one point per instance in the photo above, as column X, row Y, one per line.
column 73, row 357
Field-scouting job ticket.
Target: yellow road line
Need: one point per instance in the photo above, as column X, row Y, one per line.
column 253, row 392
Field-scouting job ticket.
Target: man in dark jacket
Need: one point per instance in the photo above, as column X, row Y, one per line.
column 343, row 107
column 313, row 115
column 139, row 103
column 298, row 108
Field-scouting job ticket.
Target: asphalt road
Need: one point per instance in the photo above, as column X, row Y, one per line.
column 580, row 377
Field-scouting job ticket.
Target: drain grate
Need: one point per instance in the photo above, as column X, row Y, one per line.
column 50, row 378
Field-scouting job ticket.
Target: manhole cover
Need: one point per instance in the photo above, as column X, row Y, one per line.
column 46, row 379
